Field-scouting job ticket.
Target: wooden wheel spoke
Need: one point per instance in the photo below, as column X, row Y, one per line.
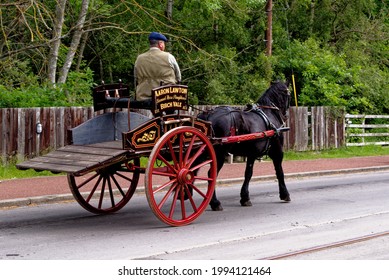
column 190, row 197
column 173, row 154
column 166, row 196
column 196, row 155
column 173, row 205
column 166, row 162
column 200, row 165
column 87, row 180
column 110, row 190
column 198, row 191
column 117, row 184
column 162, row 173
column 94, row 189
column 204, row 178
column 174, row 182
column 181, row 149
column 124, row 177
column 182, row 200
column 189, row 149
column 102, row 192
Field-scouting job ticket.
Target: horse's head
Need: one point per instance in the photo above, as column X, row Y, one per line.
column 277, row 95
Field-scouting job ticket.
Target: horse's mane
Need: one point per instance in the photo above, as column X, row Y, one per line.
column 269, row 96
column 264, row 99
column 272, row 97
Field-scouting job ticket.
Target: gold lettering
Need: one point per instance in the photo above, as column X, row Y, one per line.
column 170, row 90
column 162, row 91
column 166, row 105
column 179, row 97
column 175, row 90
column 160, row 100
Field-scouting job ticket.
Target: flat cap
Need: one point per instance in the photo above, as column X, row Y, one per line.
column 157, row 36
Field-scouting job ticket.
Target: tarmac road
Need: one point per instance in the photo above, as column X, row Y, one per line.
column 324, row 210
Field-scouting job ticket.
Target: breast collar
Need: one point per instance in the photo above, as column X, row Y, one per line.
column 258, row 108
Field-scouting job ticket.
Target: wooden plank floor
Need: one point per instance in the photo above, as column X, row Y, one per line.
column 77, row 158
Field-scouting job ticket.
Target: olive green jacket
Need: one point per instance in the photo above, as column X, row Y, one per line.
column 153, row 68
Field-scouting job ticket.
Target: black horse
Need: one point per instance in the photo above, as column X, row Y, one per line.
column 270, row 112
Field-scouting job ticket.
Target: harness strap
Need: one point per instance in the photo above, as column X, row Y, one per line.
column 233, row 128
column 269, row 125
column 262, row 114
column 281, row 117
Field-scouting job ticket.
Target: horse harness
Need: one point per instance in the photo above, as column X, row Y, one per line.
column 257, row 109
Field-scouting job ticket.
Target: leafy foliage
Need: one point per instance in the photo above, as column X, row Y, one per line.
column 337, row 50
column 76, row 92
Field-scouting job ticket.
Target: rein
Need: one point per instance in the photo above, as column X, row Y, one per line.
column 197, row 109
column 267, row 107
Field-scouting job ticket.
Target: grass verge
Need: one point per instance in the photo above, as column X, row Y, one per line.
column 11, row 172
column 344, row 152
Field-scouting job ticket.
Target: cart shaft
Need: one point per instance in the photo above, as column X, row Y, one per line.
column 244, row 137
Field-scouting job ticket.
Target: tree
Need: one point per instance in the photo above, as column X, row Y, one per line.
column 56, row 41
column 75, row 42
column 337, row 49
column 269, row 32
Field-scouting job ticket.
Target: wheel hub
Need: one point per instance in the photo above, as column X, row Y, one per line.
column 185, row 176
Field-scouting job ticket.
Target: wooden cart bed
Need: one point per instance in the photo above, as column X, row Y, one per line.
column 78, row 159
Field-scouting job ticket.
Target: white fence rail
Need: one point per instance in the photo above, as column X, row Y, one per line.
column 359, row 130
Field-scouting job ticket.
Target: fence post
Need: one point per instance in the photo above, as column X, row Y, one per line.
column 21, row 135
column 363, row 129
column 3, row 143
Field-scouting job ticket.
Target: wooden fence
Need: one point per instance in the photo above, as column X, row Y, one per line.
column 312, row 128
column 315, row 128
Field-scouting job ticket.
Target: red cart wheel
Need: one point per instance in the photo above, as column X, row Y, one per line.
column 108, row 189
column 180, row 176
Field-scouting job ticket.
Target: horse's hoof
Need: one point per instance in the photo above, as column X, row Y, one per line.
column 246, row 203
column 286, row 199
column 217, row 207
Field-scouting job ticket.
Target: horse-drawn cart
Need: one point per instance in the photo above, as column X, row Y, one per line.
column 109, row 152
